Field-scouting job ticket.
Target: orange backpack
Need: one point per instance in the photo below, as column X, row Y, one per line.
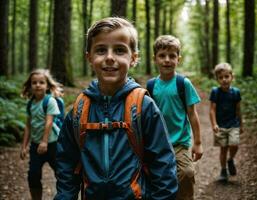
column 134, row 99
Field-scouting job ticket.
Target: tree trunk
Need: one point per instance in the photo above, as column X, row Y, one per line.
column 4, row 46
column 85, row 25
column 33, row 17
column 147, row 41
column 228, row 44
column 249, row 32
column 207, row 66
column 119, row 8
column 13, row 72
column 61, row 65
column 157, row 9
column 50, row 36
column 215, row 34
column 134, row 12
column 164, row 20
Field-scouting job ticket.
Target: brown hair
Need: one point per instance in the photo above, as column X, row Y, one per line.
column 166, row 42
column 109, row 24
column 222, row 67
column 53, row 86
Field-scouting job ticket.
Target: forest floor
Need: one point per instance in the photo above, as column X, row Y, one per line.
column 13, row 171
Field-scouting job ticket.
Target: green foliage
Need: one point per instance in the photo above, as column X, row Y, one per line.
column 12, row 112
column 249, row 99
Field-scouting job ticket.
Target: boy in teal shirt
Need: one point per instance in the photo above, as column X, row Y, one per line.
column 179, row 118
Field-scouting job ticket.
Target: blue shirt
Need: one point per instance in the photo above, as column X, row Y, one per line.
column 226, row 106
column 166, row 96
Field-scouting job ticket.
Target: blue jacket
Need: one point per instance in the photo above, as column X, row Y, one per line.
column 108, row 161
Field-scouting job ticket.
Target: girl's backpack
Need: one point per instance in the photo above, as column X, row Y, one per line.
column 58, row 119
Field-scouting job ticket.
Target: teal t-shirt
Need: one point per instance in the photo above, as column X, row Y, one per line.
column 37, row 122
column 166, row 96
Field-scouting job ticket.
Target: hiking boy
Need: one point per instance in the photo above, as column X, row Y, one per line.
column 109, row 168
column 178, row 117
column 225, row 116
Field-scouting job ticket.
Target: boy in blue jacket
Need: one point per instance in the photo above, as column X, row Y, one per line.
column 110, row 167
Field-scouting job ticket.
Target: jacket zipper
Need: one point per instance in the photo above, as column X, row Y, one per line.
column 106, row 138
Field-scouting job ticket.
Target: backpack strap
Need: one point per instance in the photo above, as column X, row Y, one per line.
column 133, row 101
column 45, row 102
column 180, row 82
column 29, row 106
column 150, row 85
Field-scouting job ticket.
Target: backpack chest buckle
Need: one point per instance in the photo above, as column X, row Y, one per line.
column 105, row 126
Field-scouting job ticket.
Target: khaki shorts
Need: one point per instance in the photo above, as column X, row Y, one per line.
column 227, row 137
column 185, row 173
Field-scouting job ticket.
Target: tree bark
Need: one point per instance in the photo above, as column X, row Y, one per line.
column 215, row 34
column 4, row 46
column 85, row 25
column 157, row 9
column 249, row 32
column 33, row 17
column 147, row 40
column 119, row 8
column 228, row 34
column 13, row 72
column 61, row 65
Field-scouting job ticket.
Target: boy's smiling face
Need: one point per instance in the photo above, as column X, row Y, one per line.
column 166, row 60
column 111, row 57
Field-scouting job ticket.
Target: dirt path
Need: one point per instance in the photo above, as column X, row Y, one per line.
column 13, row 171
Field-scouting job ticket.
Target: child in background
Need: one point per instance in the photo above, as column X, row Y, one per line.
column 226, row 118
column 179, row 115
column 40, row 129
column 110, row 170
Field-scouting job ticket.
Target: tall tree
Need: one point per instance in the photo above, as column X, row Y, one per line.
column 119, row 8
column 164, row 20
column 157, row 9
column 147, row 40
column 134, row 12
column 33, row 30
column 61, row 64
column 4, row 4
column 215, row 33
column 85, row 25
column 249, row 33
column 50, row 36
column 13, row 38
column 207, row 56
column 228, row 34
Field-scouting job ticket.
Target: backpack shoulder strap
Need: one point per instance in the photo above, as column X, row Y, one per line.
column 150, row 85
column 180, row 82
column 29, row 106
column 135, row 99
column 45, row 102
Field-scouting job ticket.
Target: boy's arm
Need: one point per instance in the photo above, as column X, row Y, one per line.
column 239, row 115
column 25, row 141
column 214, row 124
column 67, row 158
column 42, row 147
column 158, row 155
column 197, row 149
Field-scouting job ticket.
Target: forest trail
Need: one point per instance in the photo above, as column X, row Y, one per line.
column 13, row 171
